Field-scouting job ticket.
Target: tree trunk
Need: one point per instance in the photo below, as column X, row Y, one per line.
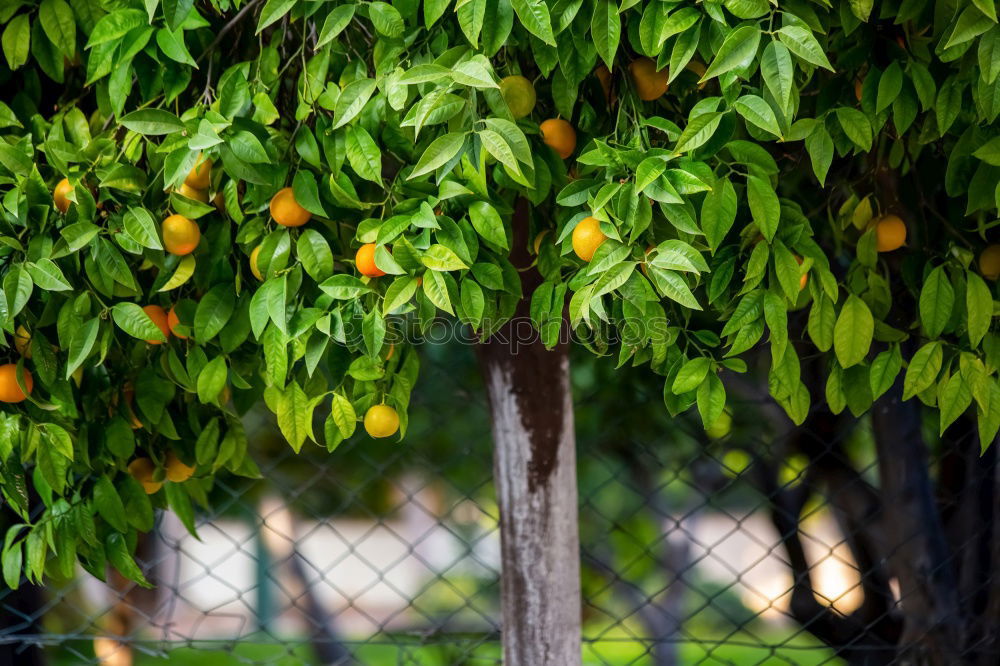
column 920, row 559
column 534, row 466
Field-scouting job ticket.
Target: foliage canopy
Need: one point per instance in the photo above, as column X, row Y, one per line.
column 750, row 196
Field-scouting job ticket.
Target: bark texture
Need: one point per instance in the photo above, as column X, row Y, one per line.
column 534, row 467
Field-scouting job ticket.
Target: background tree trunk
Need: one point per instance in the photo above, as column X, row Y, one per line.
column 534, row 466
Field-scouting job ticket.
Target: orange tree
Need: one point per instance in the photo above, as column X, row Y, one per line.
column 206, row 204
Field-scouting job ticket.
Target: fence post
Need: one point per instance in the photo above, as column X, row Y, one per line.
column 534, row 467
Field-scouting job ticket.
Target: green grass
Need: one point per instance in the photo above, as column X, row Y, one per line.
column 742, row 649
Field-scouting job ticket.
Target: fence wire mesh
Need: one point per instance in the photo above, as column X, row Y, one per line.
column 749, row 544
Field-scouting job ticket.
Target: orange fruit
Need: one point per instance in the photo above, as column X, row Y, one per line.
column 176, row 470
column 180, row 235
column 519, row 94
column 10, row 392
column 890, row 233
column 365, row 261
column 142, row 470
column 989, row 262
column 587, row 237
column 172, row 321
column 286, row 211
column 649, row 83
column 200, row 176
column 194, row 193
column 559, row 135
column 253, row 263
column 60, row 195
column 159, row 317
column 381, row 421
column 22, row 341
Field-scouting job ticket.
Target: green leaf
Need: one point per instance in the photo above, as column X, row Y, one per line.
column 109, row 505
column 214, row 311
column 803, row 44
column 487, row 223
column 117, row 552
column 534, row 16
column 698, row 131
column 856, row 127
column 335, row 22
column 718, row 212
column 212, row 379
column 141, row 227
column 439, row 153
column 937, row 300
column 691, row 375
column 890, row 84
column 315, row 254
column 343, row 415
column 954, row 397
column 130, row 318
column 756, row 111
column 152, row 122
column 605, row 29
column 364, row 154
column 81, row 344
column 711, row 399
column 294, row 411
column 441, row 258
column 386, row 19
column 59, row 25
column 436, row 290
column 979, row 307
column 852, row 335
column 737, row 51
column 764, row 206
column 47, row 275
column 884, row 369
column 16, row 40
column 273, row 11
column 778, row 72
column 923, row 369
column 352, row 100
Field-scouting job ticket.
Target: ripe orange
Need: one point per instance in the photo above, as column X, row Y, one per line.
column 649, row 83
column 60, row 196
column 365, row 261
column 519, row 94
column 200, row 176
column 176, row 470
column 22, row 341
column 286, row 211
column 142, row 470
column 180, row 235
column 186, row 190
column 253, row 263
column 587, row 237
column 381, row 421
column 160, row 318
column 989, row 262
column 890, row 233
column 10, row 392
column 559, row 135
column 172, row 321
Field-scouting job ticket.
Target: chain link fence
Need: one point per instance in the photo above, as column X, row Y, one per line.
column 744, row 545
